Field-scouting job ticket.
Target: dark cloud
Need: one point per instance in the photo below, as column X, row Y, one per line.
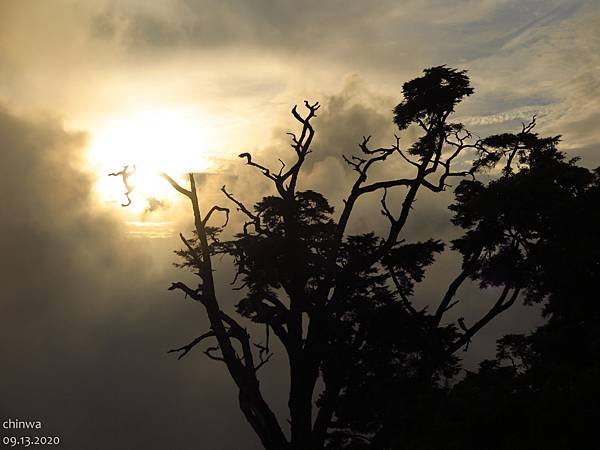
column 208, row 23
column 386, row 35
column 348, row 116
column 86, row 320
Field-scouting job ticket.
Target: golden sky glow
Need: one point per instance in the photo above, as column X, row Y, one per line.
column 187, row 85
column 152, row 141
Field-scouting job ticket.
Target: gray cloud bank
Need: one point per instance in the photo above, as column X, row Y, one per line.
column 86, row 320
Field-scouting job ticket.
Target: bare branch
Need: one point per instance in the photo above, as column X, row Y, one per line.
column 186, row 348
column 467, row 337
column 411, row 162
column 256, row 409
column 460, row 146
column 266, row 171
column 297, row 116
column 264, row 355
column 177, row 186
column 451, row 305
column 449, row 295
column 191, row 249
column 282, row 167
column 238, row 288
column 385, row 211
column 194, row 294
column 304, row 120
column 526, row 128
column 301, row 146
column 255, row 219
column 386, row 184
column 501, row 305
column 209, row 352
column 364, row 146
column 355, row 165
column 217, row 208
column 240, row 205
column 238, row 332
column 357, row 190
column 194, row 253
column 510, row 154
column 263, row 362
column 405, row 300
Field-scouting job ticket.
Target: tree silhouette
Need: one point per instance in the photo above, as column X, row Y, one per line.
column 543, row 385
column 341, row 304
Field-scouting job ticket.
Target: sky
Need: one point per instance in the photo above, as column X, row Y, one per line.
column 186, row 85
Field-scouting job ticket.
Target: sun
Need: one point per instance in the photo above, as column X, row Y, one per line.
column 148, row 142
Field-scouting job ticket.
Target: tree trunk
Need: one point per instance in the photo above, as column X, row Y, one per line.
column 262, row 419
column 300, row 404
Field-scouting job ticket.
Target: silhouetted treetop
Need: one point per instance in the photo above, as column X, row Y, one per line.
column 431, row 98
column 514, row 221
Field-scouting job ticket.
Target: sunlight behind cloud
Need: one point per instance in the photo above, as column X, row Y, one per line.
column 149, row 142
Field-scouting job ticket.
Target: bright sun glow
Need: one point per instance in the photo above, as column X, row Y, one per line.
column 150, row 142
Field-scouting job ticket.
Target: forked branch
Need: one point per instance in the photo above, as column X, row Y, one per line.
column 177, row 186
column 254, row 218
column 212, row 210
column 195, row 294
column 186, row 348
column 503, row 302
column 265, row 170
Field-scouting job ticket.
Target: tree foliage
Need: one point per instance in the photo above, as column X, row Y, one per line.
column 542, row 387
column 341, row 304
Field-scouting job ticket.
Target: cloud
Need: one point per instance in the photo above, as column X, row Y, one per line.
column 245, row 63
column 524, row 113
column 155, row 204
column 555, row 63
column 86, row 318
